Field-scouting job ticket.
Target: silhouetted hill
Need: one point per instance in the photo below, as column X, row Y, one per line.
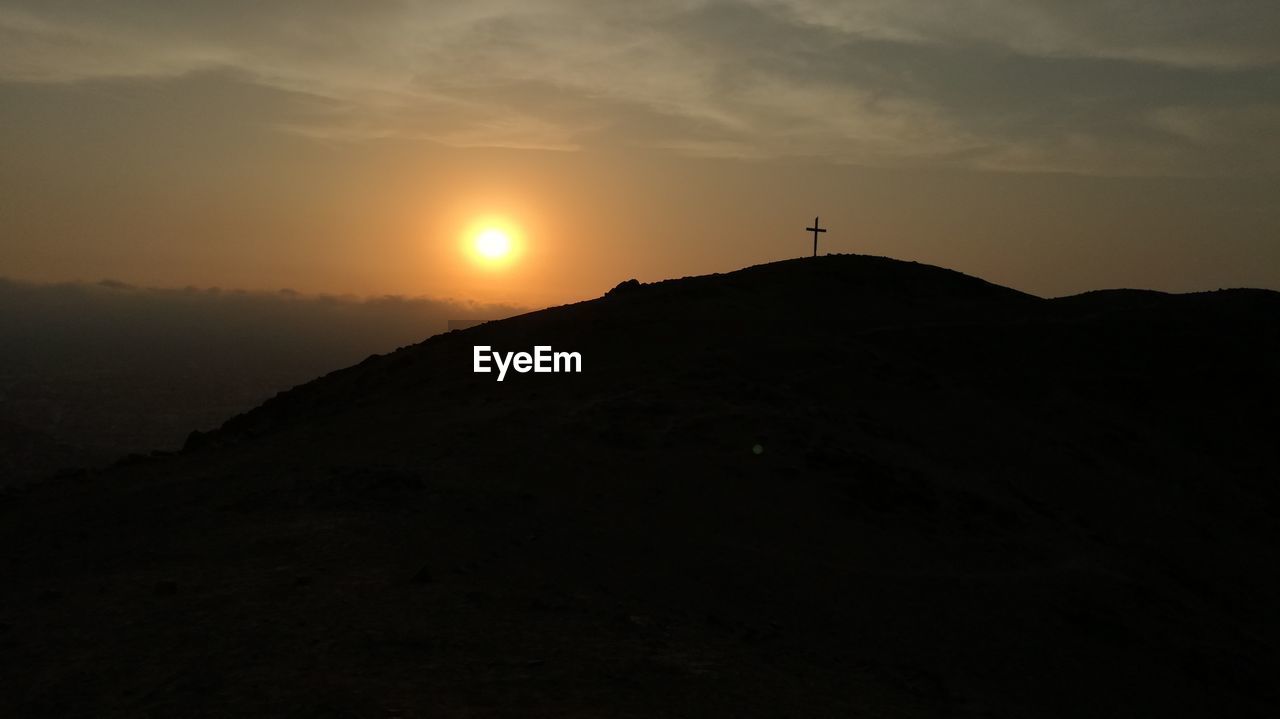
column 1147, row 303
column 819, row 488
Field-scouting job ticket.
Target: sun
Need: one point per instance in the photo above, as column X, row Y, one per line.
column 493, row 243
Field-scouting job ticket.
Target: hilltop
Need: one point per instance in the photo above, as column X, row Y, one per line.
column 825, row 487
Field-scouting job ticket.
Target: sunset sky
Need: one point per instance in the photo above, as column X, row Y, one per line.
column 355, row 146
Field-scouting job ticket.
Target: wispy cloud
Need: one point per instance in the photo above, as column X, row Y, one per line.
column 1096, row 86
column 1181, row 33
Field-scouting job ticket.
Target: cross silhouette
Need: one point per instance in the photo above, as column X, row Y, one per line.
column 815, row 230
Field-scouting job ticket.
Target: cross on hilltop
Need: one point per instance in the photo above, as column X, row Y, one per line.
column 815, row 230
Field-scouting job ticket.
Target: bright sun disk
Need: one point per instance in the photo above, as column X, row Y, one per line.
column 493, row 244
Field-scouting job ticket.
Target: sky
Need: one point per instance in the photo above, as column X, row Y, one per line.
column 356, row 146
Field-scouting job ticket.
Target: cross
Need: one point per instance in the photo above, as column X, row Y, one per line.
column 815, row 230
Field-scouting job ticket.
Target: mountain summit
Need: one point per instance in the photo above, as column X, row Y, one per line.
column 835, row 486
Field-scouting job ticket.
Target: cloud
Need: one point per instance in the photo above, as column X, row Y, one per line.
column 1015, row 85
column 1182, row 33
column 50, row 326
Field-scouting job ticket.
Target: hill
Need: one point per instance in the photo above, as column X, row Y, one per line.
column 819, row 488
